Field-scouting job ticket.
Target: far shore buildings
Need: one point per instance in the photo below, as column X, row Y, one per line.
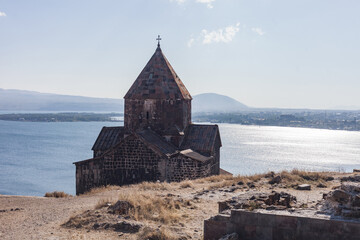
column 158, row 140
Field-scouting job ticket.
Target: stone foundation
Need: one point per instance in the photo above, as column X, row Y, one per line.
column 264, row 226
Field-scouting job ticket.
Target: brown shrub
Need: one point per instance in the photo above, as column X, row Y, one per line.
column 57, row 194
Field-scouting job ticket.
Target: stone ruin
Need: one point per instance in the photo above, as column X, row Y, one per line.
column 344, row 201
column 245, row 217
column 272, row 201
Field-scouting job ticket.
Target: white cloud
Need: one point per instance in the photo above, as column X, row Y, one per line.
column 2, row 14
column 258, row 31
column 191, row 42
column 207, row 2
column 220, row 35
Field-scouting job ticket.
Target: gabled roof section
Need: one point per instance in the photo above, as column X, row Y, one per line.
column 201, row 138
column 194, row 155
column 158, row 80
column 108, row 137
column 156, row 142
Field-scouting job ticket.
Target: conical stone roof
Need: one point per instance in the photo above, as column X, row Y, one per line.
column 158, row 80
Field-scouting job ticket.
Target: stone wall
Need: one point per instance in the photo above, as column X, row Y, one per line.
column 181, row 168
column 159, row 114
column 131, row 162
column 263, row 226
column 89, row 174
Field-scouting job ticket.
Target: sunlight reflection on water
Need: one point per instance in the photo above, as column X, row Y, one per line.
column 37, row 157
column 254, row 149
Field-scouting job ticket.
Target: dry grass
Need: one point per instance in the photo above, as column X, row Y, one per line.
column 295, row 177
column 162, row 186
column 255, row 177
column 158, row 234
column 216, row 178
column 103, row 203
column 102, row 189
column 152, row 207
column 186, row 184
column 57, row 194
column 218, row 185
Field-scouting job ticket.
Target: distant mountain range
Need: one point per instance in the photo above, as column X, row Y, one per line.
column 20, row 100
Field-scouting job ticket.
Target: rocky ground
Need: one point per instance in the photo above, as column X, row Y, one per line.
column 161, row 210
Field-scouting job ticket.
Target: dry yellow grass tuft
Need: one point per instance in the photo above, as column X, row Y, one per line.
column 295, row 177
column 148, row 206
column 102, row 189
column 217, row 178
column 57, row 194
column 186, row 184
column 103, row 203
column 154, row 186
column 255, row 177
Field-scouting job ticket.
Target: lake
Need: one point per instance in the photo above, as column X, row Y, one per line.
column 37, row 157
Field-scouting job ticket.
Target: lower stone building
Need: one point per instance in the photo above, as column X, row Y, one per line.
column 121, row 158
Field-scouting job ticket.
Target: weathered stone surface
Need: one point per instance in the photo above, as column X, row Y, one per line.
column 261, row 226
column 304, row 187
column 355, row 178
column 240, row 183
column 121, row 207
column 126, row 227
column 329, row 178
column 344, row 201
column 275, row 200
column 321, row 185
column 276, row 179
column 350, row 187
column 340, row 196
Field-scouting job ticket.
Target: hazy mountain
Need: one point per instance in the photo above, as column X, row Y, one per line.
column 19, row 100
column 212, row 102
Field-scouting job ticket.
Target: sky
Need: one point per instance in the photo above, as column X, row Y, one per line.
column 263, row 53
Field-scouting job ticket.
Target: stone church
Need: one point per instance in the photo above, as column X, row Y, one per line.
column 158, row 140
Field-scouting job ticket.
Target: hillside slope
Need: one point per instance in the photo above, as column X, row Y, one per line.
column 212, row 102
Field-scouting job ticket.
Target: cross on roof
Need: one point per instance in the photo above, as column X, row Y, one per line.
column 158, row 39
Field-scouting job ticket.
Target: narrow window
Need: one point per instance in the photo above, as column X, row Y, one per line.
column 147, row 115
